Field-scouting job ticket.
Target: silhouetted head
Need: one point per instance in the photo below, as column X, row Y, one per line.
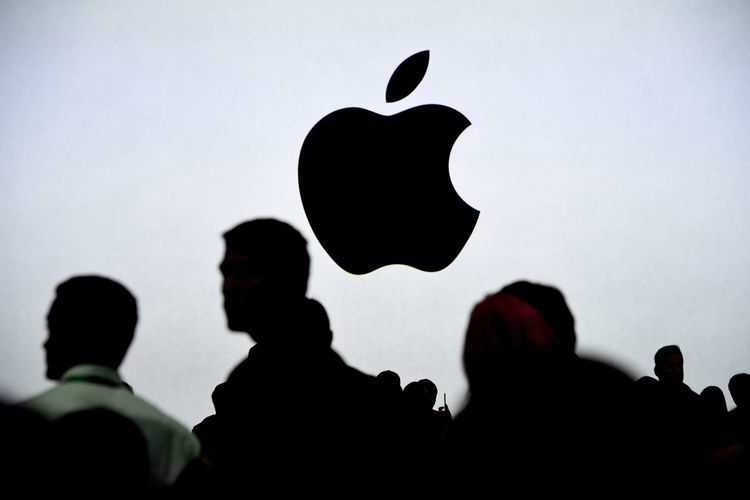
column 739, row 388
column 388, row 388
column 265, row 270
column 91, row 321
column 551, row 304
column 415, row 398
column 389, row 378
column 713, row 401
column 504, row 333
column 668, row 365
column 647, row 382
column 431, row 390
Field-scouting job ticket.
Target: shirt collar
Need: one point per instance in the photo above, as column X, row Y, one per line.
column 93, row 372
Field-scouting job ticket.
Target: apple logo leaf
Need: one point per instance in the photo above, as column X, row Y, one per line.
column 407, row 76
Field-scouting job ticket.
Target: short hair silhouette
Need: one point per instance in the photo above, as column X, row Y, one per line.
column 415, row 397
column 665, row 367
column 389, row 378
column 91, row 321
column 539, row 408
column 739, row 388
column 660, row 358
column 293, row 395
column 431, row 390
column 278, row 251
column 713, row 401
column 504, row 330
column 550, row 303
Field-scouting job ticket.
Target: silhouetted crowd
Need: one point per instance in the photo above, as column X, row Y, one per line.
column 294, row 418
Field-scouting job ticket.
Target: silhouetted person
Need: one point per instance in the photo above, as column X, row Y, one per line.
column 538, row 417
column 668, row 368
column 388, row 404
column 647, row 384
column 713, row 403
column 293, row 412
column 669, row 424
column 431, row 390
column 91, row 324
column 390, row 382
column 417, row 407
column 734, row 458
column 441, row 418
column 418, row 450
column 713, row 424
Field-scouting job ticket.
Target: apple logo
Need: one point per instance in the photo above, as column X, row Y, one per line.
column 377, row 190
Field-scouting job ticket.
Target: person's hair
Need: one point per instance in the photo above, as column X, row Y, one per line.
column 713, row 401
column 415, row 396
column 661, row 355
column 389, row 378
column 550, row 303
column 276, row 247
column 431, row 389
column 505, row 333
column 96, row 317
column 739, row 388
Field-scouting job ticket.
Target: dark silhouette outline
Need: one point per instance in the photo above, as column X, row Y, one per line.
column 91, row 324
column 734, row 457
column 713, row 402
column 669, row 424
column 539, row 418
column 293, row 408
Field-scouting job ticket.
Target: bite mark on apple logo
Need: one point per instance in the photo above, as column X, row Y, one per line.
column 377, row 190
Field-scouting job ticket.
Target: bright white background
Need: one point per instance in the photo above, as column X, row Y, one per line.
column 608, row 155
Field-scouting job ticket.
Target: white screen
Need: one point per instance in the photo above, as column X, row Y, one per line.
column 608, row 155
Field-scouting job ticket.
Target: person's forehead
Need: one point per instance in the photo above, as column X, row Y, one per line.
column 236, row 263
column 233, row 256
column 53, row 307
column 673, row 358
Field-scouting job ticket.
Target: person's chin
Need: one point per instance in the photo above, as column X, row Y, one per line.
column 236, row 326
column 53, row 374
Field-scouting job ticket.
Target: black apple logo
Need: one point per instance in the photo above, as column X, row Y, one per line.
column 376, row 189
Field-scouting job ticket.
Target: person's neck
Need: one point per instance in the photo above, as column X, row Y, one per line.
column 301, row 323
